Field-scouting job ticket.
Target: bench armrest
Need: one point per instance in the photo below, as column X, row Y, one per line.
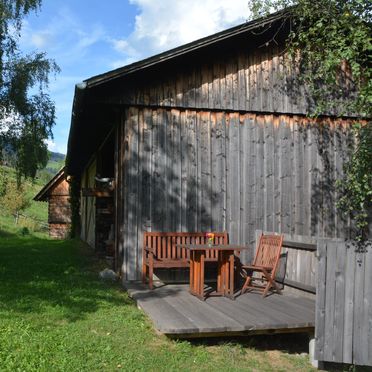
column 148, row 249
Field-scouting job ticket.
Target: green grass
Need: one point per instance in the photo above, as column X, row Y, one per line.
column 56, row 315
column 36, row 210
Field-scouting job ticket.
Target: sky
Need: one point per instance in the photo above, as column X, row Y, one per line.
column 90, row 37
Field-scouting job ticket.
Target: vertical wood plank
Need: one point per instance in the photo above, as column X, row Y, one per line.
column 198, row 86
column 253, row 82
column 260, row 182
column 269, row 173
column 248, row 82
column 242, row 93
column 125, row 139
column 205, row 166
column 184, row 167
column 191, row 198
column 306, row 177
column 266, row 102
column 277, row 174
column 141, row 186
column 218, row 69
column 320, row 303
column 198, row 144
column 168, row 176
column 235, row 82
column 328, row 178
column 233, row 178
column 146, row 175
column 330, row 301
column 347, row 347
column 156, row 192
column 179, row 90
column 286, row 187
column 339, row 305
column 176, row 165
column 368, row 306
column 218, row 171
column 229, row 85
column 204, row 86
column 244, row 187
column 298, row 175
column 251, row 180
column 209, row 72
column 359, row 330
column 275, row 80
column 132, row 174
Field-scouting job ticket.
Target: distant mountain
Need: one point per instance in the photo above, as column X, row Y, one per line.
column 56, row 156
column 56, row 162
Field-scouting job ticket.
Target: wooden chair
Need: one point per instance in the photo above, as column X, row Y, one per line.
column 265, row 262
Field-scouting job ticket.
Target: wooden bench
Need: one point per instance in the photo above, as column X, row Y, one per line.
column 160, row 251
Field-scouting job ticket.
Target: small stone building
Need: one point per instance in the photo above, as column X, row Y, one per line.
column 56, row 193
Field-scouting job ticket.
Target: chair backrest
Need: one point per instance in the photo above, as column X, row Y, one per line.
column 164, row 243
column 268, row 251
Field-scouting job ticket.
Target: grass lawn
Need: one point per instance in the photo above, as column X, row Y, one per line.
column 56, row 315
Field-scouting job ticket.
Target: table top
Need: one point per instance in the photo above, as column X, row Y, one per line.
column 219, row 247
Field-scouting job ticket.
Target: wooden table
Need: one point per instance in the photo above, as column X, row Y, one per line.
column 225, row 268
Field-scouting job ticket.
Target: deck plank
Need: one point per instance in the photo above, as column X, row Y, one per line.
column 200, row 313
column 175, row 312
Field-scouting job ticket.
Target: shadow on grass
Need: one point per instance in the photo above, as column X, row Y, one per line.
column 6, row 234
column 293, row 343
column 57, row 277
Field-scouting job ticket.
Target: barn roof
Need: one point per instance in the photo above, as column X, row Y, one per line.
column 81, row 144
column 43, row 194
column 183, row 49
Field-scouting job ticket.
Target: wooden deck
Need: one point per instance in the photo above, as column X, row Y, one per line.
column 176, row 313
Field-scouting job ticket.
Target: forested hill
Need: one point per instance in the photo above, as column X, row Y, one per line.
column 56, row 161
column 56, row 156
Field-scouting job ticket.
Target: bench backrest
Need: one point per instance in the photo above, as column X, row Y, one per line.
column 164, row 243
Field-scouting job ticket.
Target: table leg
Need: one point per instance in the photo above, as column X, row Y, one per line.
column 201, row 289
column 231, row 274
column 197, row 274
column 221, row 278
column 192, row 260
column 225, row 278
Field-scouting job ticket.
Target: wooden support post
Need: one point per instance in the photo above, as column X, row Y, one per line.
column 315, row 363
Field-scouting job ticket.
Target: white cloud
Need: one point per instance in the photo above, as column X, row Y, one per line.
column 41, row 39
column 51, row 144
column 162, row 25
column 64, row 37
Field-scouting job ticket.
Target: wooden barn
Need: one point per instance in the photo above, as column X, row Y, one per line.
column 56, row 193
column 210, row 136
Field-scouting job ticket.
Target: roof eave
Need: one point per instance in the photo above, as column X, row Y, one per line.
column 42, row 194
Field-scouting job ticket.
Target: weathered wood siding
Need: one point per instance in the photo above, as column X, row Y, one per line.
column 260, row 80
column 189, row 170
column 88, row 207
column 343, row 330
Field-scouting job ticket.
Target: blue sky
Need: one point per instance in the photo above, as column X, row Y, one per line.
column 89, row 37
